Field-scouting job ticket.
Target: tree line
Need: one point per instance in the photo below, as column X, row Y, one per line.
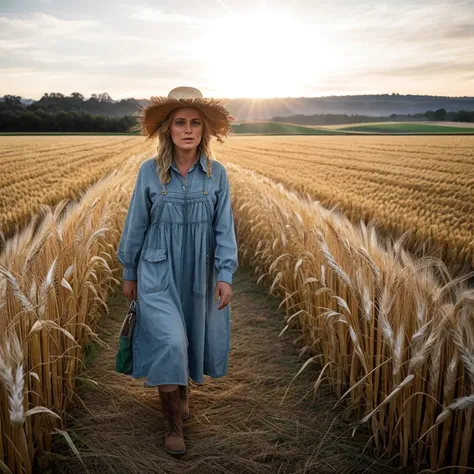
column 41, row 121
column 55, row 112
column 58, row 113
column 96, row 104
column 440, row 115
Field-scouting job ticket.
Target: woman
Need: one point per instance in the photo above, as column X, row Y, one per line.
column 179, row 253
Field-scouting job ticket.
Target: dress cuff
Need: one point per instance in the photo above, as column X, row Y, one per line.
column 129, row 273
column 225, row 275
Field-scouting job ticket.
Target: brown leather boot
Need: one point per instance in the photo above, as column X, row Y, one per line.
column 184, row 391
column 172, row 422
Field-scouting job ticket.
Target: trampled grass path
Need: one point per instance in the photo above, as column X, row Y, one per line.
column 239, row 423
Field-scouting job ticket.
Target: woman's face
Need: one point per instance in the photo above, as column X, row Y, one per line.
column 186, row 128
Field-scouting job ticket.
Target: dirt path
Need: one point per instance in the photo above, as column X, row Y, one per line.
column 238, row 423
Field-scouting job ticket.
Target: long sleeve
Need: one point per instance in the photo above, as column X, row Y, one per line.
column 225, row 255
column 135, row 228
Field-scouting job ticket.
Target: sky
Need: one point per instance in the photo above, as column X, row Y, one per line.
column 238, row 48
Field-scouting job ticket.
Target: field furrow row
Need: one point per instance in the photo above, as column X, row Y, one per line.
column 45, row 170
column 423, row 185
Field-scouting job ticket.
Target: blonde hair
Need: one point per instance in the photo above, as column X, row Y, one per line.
column 166, row 147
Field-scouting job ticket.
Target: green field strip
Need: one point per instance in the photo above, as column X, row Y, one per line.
column 276, row 128
column 408, row 128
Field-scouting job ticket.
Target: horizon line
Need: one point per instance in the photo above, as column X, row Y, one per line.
column 391, row 94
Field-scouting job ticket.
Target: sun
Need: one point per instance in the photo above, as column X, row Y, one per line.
column 264, row 54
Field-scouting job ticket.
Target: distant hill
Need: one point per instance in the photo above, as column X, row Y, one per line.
column 253, row 109
column 371, row 105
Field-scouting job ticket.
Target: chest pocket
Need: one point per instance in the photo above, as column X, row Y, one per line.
column 153, row 274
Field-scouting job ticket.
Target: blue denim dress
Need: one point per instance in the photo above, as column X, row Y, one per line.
column 178, row 241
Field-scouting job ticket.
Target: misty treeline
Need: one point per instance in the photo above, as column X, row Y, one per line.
column 96, row 104
column 440, row 115
column 56, row 112
column 41, row 121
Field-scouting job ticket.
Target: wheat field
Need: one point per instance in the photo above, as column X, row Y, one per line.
column 55, row 278
column 38, row 170
column 421, row 185
column 394, row 335
column 393, row 338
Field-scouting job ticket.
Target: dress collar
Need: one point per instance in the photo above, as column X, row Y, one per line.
column 202, row 161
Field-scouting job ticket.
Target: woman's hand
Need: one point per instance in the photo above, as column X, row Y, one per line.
column 224, row 292
column 130, row 290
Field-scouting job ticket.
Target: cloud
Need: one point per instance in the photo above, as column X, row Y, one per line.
column 151, row 14
column 16, row 71
column 457, row 31
column 40, row 30
column 38, row 51
column 350, row 45
column 405, row 21
column 48, row 24
column 426, row 68
column 140, row 82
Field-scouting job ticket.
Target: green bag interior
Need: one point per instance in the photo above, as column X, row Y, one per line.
column 124, row 357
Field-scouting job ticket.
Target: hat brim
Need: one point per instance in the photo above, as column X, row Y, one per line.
column 151, row 117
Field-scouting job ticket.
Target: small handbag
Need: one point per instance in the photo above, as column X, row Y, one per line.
column 124, row 356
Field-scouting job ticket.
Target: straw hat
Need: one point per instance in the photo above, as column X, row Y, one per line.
column 151, row 117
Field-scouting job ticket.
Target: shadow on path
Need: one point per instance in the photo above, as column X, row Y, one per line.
column 238, row 423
